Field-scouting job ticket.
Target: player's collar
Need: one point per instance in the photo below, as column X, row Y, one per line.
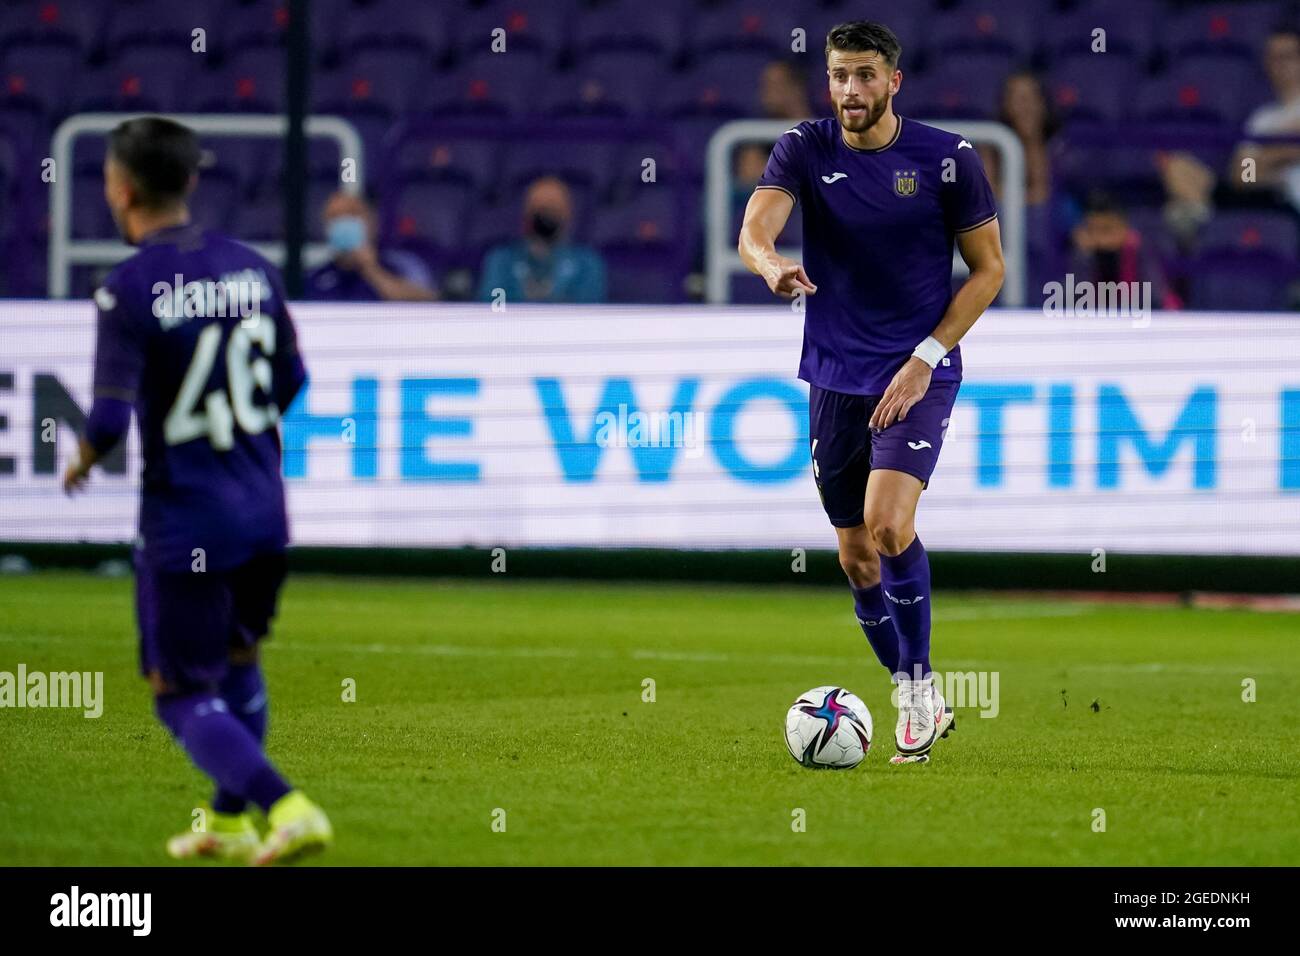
column 898, row 131
column 165, row 234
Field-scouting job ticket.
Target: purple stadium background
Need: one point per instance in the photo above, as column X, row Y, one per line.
column 453, row 134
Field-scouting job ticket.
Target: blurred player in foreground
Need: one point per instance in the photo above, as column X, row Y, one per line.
column 884, row 198
column 193, row 332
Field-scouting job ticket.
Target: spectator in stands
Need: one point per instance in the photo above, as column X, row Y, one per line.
column 1108, row 249
column 544, row 266
column 359, row 271
column 783, row 92
column 1025, row 109
column 747, row 165
column 1276, row 166
column 1189, row 196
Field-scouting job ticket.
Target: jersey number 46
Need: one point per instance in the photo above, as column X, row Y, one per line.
column 220, row 413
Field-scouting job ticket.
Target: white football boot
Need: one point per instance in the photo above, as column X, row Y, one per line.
column 923, row 717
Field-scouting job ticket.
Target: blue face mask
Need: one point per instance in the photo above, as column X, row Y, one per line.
column 346, row 233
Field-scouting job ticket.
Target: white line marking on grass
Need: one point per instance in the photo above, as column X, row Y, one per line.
column 1010, row 612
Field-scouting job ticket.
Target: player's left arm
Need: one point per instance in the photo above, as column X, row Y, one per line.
column 981, row 249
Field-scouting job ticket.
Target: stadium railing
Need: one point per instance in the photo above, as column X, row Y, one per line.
column 722, row 261
column 65, row 252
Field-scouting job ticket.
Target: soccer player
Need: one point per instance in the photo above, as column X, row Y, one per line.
column 194, row 334
column 884, row 198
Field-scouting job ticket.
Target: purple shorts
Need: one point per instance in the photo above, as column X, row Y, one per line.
column 844, row 449
column 190, row 621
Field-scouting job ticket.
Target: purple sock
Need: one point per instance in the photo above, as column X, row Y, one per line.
column 244, row 692
column 906, row 581
column 874, row 616
column 221, row 746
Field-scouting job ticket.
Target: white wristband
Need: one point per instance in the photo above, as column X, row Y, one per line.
column 930, row 351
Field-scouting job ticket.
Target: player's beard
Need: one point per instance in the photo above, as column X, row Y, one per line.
column 874, row 112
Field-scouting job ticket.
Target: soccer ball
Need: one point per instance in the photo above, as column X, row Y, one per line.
column 828, row 727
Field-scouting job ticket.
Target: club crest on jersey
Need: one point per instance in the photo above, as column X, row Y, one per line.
column 905, row 182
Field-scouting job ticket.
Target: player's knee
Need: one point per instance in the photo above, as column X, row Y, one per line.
column 890, row 531
column 862, row 568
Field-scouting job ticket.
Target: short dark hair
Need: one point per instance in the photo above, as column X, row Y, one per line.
column 865, row 36
column 1102, row 203
column 161, row 157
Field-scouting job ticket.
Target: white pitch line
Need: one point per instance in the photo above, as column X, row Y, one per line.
column 689, row 657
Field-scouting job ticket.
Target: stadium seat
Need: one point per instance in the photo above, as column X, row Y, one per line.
column 1242, row 282
column 77, row 24
column 262, row 219
column 90, row 216
column 23, row 123
column 1126, row 172
column 439, row 158
column 252, row 81
column 590, row 167
column 1095, row 88
column 968, row 86
column 394, row 25
column 492, row 223
column 40, row 79
column 374, row 80
column 265, row 23
column 630, row 25
column 249, row 161
column 88, row 154
column 26, row 265
column 1129, row 27
column 160, row 23
column 606, row 83
column 262, row 23
column 724, row 84
column 490, row 83
column 1233, row 29
column 650, row 219
column 433, row 212
column 1149, row 221
column 1243, row 232
column 755, row 25
column 643, row 275
column 693, row 133
column 1004, row 27
column 142, row 79
column 1210, row 89
column 539, row 28
column 214, row 202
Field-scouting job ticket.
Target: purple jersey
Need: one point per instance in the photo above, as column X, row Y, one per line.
column 194, row 332
column 878, row 232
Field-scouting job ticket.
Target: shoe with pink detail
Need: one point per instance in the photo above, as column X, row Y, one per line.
column 923, row 718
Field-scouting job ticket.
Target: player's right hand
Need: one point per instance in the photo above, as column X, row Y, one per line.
column 787, row 279
column 74, row 479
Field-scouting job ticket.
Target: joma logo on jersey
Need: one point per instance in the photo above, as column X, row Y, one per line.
column 905, row 182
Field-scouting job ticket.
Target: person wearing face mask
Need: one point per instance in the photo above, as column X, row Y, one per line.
column 544, row 266
column 359, row 271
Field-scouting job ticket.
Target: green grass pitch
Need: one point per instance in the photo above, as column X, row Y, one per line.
column 528, row 698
